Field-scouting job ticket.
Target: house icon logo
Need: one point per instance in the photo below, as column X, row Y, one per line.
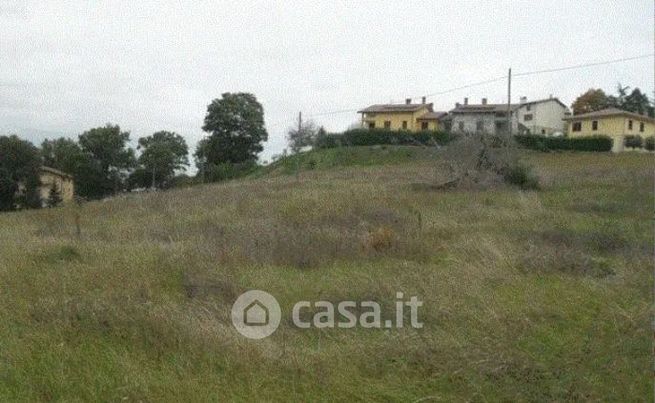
column 256, row 314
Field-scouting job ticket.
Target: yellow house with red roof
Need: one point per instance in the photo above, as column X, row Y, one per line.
column 407, row 116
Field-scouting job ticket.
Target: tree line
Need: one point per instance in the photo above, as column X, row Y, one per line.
column 102, row 162
column 596, row 99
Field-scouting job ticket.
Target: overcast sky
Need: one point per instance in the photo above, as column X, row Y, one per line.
column 69, row 66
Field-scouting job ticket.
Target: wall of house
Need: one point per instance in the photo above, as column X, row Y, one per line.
column 64, row 184
column 547, row 117
column 432, row 125
column 396, row 119
column 616, row 127
column 489, row 120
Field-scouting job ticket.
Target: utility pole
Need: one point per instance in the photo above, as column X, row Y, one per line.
column 509, row 104
column 299, row 121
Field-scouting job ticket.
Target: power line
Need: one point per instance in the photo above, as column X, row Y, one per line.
column 493, row 80
column 580, row 66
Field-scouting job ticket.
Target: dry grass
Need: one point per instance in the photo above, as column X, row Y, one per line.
column 528, row 296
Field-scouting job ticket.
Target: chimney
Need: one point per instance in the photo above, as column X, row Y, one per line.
column 466, row 101
column 484, row 101
column 551, row 96
column 423, row 100
column 457, row 104
column 523, row 100
column 408, row 101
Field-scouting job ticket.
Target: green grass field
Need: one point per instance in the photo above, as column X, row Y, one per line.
column 528, row 296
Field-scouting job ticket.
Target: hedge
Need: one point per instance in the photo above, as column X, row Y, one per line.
column 544, row 143
column 371, row 137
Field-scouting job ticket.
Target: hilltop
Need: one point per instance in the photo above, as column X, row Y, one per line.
column 527, row 295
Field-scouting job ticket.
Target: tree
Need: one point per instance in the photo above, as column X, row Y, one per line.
column 110, row 159
column 596, row 99
column 618, row 100
column 66, row 155
column 638, row 102
column 163, row 153
column 54, row 196
column 20, row 163
column 63, row 154
column 200, row 158
column 236, row 124
column 305, row 136
column 591, row 101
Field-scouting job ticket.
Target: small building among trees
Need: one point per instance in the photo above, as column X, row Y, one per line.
column 55, row 184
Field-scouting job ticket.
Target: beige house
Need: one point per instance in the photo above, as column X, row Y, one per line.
column 612, row 122
column 62, row 181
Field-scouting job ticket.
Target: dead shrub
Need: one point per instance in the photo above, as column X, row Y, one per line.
column 380, row 240
column 478, row 161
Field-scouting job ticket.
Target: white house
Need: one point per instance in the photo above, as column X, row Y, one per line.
column 482, row 118
column 544, row 116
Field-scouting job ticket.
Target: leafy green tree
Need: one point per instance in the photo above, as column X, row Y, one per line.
column 236, row 124
column 110, row 159
column 200, row 158
column 163, row 154
column 638, row 102
column 20, row 162
column 66, row 155
column 591, row 101
column 63, row 154
column 634, row 101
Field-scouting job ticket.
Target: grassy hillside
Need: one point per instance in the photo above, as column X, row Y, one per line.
column 527, row 295
column 346, row 157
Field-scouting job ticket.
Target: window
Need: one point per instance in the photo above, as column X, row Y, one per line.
column 527, row 117
column 528, row 107
column 371, row 125
column 577, row 126
column 461, row 126
column 387, row 124
column 424, row 125
column 594, row 125
column 404, row 124
column 479, row 126
column 543, row 131
column 641, row 127
column 629, row 124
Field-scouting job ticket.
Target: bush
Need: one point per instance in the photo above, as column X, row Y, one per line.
column 591, row 143
column 370, row 137
column 226, row 170
column 522, row 176
column 649, row 143
column 543, row 143
column 633, row 141
column 477, row 161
